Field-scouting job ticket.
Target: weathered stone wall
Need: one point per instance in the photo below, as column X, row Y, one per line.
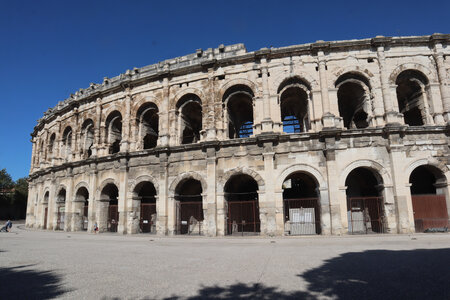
column 67, row 154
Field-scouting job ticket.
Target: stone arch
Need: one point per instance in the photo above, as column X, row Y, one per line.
column 297, row 74
column 139, row 100
column 46, row 190
column 242, row 170
column 189, row 90
column 112, row 108
column 380, row 172
column 430, row 75
column 103, row 184
column 422, row 162
column 60, row 187
column 237, row 81
column 338, row 72
column 313, row 172
column 186, row 175
column 78, row 186
column 142, row 178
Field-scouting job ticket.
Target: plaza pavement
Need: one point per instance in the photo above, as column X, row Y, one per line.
column 37, row 264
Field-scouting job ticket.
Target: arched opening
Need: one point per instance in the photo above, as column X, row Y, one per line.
column 114, row 131
column 428, row 198
column 294, row 105
column 241, row 199
column 67, row 142
column 60, row 209
column 301, row 204
column 238, row 106
column 45, row 207
column 110, row 194
column 364, row 202
column 145, row 192
column 189, row 207
column 189, row 109
column 412, row 97
column 82, row 203
column 354, row 100
column 87, row 138
column 148, row 122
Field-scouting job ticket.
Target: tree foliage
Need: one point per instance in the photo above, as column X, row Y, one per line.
column 13, row 196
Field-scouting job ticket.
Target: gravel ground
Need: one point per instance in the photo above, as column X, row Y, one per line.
column 45, row 265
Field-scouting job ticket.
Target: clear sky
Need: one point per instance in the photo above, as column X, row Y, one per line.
column 50, row 49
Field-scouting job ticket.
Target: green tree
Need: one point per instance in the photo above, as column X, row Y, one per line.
column 6, row 181
column 19, row 202
column 13, row 197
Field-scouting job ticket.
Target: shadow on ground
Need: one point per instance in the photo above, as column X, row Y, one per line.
column 22, row 283
column 374, row 274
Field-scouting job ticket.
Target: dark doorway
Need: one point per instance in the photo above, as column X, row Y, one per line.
column 301, row 205
column 146, row 192
column 428, row 198
column 61, row 206
column 241, row 199
column 189, row 207
column 238, row 104
column 364, row 202
column 410, row 96
column 111, row 192
column 82, row 197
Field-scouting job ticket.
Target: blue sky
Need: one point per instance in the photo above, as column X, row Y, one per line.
column 50, row 49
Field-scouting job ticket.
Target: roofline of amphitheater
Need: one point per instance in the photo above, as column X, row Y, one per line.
column 221, row 56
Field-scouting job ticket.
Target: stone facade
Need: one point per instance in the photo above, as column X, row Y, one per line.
column 329, row 121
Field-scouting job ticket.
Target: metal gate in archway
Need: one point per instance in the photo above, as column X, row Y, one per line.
column 45, row 218
column 365, row 215
column 85, row 217
column 113, row 218
column 430, row 211
column 302, row 216
column 147, row 222
column 60, row 218
column 189, row 217
column 243, row 217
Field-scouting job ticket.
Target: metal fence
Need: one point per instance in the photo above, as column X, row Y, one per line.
column 365, row 215
column 147, row 222
column 189, row 217
column 430, row 211
column 302, row 216
column 243, row 217
column 113, row 218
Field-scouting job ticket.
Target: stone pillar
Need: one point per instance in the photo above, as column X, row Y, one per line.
column 267, row 206
column 327, row 116
column 279, row 211
column 162, row 200
column 33, row 153
column 77, row 214
column 434, row 94
column 124, row 144
column 391, row 116
column 209, row 129
column 389, row 209
column 97, row 129
column 135, row 213
column 164, row 115
column 267, row 122
column 68, row 210
column 221, row 213
column 437, row 40
column 92, row 209
column 122, row 201
column 325, row 216
column 336, row 202
column 102, row 214
column 175, row 133
column 209, row 201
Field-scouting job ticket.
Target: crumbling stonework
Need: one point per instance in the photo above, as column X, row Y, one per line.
column 319, row 130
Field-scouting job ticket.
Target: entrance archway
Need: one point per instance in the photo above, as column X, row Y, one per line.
column 364, row 202
column 45, row 207
column 241, row 199
column 428, row 198
column 61, row 209
column 110, row 194
column 189, row 207
column 146, row 193
column 301, row 204
column 82, row 203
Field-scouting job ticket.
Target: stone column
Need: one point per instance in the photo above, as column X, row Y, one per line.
column 124, row 144
column 391, row 116
column 92, row 209
column 221, row 213
column 162, row 200
column 327, row 116
column 267, row 122
column 122, row 201
column 164, row 115
column 68, row 210
column 442, row 75
column 174, row 127
column 268, row 206
column 209, row 203
column 389, row 209
column 325, row 215
column 135, row 214
column 102, row 214
column 33, row 153
column 97, row 129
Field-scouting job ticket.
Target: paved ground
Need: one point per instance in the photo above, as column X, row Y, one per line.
column 44, row 265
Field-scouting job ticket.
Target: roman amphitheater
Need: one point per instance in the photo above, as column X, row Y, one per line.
column 331, row 138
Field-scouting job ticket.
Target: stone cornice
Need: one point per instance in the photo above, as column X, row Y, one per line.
column 221, row 56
